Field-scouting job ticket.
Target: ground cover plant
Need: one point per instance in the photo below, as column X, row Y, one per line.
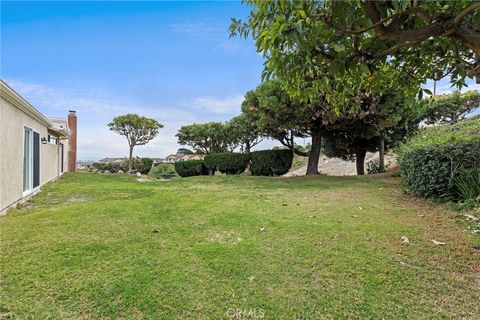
column 109, row 247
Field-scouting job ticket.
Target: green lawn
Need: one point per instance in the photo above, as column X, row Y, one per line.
column 109, row 247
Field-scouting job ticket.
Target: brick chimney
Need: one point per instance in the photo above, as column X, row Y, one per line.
column 72, row 141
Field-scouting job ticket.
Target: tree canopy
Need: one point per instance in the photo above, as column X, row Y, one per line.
column 244, row 132
column 369, row 46
column 211, row 137
column 451, row 107
column 138, row 130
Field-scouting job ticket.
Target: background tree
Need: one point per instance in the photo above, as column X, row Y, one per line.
column 284, row 118
column 406, row 42
column 245, row 132
column 383, row 125
column 138, row 131
column 211, row 137
column 184, row 151
column 452, row 107
column 281, row 117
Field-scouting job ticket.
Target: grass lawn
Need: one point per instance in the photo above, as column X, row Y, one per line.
column 109, row 247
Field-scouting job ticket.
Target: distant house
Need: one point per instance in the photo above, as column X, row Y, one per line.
column 34, row 149
column 158, row 160
column 171, row 158
column 83, row 165
column 181, row 156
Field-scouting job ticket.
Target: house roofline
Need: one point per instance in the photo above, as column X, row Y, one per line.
column 9, row 94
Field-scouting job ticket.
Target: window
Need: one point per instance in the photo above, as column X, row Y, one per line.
column 52, row 139
column 31, row 160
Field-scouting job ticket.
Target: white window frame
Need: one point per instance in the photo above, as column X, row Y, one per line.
column 30, row 189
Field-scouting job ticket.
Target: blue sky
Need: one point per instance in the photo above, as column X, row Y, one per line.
column 173, row 61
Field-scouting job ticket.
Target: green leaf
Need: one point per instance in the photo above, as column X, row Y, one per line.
column 338, row 47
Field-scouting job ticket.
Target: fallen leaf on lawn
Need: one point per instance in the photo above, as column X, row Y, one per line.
column 405, row 239
column 262, row 229
column 470, row 217
column 438, row 242
column 355, row 216
column 360, row 208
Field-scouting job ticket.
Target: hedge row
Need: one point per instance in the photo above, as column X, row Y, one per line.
column 189, row 168
column 262, row 163
column 229, row 163
column 271, row 162
column 432, row 161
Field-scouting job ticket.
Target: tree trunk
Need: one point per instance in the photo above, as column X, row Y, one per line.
column 314, row 154
column 247, row 151
column 247, row 147
column 381, row 152
column 130, row 159
column 360, row 161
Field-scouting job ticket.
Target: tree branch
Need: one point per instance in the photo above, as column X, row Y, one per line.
column 475, row 5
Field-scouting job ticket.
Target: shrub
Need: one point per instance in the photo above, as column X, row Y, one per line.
column 271, row 162
column 468, row 185
column 100, row 166
column 162, row 171
column 110, row 166
column 229, row 163
column 188, row 168
column 142, row 165
column 431, row 161
column 373, row 167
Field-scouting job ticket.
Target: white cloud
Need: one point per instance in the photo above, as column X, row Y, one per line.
column 95, row 108
column 228, row 105
column 444, row 86
column 217, row 34
column 200, row 29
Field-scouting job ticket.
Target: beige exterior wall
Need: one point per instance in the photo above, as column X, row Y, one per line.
column 12, row 123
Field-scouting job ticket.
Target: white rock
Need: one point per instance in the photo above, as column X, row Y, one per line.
column 139, row 174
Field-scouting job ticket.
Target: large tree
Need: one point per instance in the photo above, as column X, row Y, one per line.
column 406, row 42
column 210, row 137
column 245, row 132
column 451, row 107
column 384, row 124
column 284, row 118
column 138, row 131
column 281, row 117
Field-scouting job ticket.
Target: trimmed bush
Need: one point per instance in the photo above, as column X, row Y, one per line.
column 271, row 162
column 229, row 163
column 189, row 168
column 373, row 167
column 162, row 171
column 142, row 165
column 431, row 162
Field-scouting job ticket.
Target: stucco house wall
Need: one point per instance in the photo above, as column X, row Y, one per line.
column 13, row 120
